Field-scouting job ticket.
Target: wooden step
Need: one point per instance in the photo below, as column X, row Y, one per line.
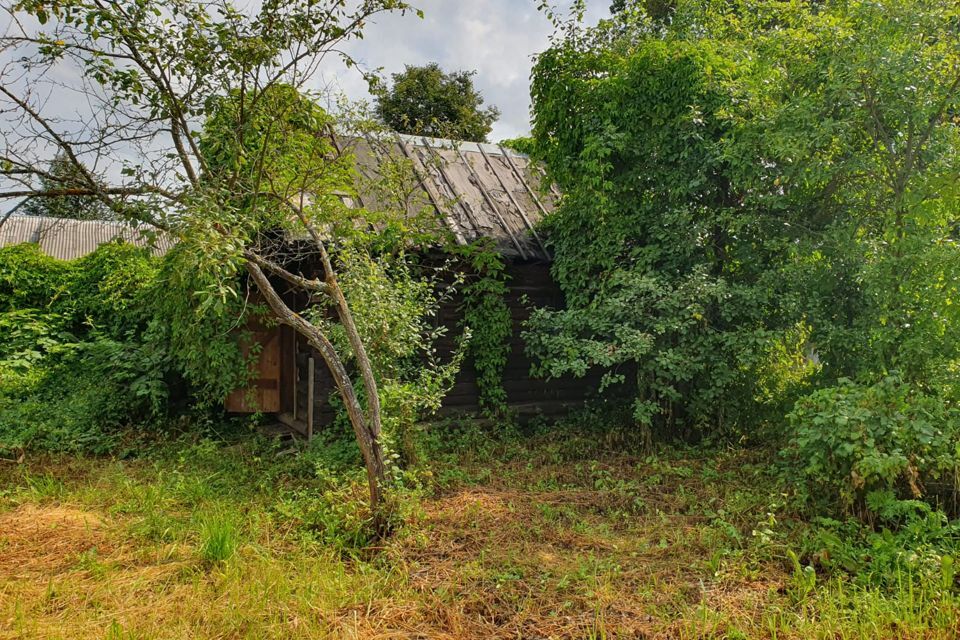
column 296, row 425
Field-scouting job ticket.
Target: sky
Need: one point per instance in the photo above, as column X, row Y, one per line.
column 497, row 38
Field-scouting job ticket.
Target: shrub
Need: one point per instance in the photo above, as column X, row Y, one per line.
column 30, row 279
column 852, row 444
column 79, row 395
column 92, row 345
column 112, row 287
column 108, row 288
column 922, row 550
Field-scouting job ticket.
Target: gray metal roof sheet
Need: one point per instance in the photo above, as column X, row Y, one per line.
column 69, row 239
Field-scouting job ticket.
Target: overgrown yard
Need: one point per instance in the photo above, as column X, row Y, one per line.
column 542, row 537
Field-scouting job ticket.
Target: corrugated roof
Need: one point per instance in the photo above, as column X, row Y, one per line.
column 69, row 239
column 480, row 190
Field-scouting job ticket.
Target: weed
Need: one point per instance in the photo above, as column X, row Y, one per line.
column 219, row 537
column 546, row 546
column 44, row 487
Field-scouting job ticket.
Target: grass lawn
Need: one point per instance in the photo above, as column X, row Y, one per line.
column 507, row 537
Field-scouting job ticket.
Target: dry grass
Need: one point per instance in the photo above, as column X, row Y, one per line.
column 43, row 541
column 546, row 551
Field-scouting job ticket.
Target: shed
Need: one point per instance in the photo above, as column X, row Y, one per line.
column 478, row 191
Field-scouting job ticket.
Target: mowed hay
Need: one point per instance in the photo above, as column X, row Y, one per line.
column 484, row 564
column 64, row 574
column 562, row 562
column 46, row 539
column 556, row 564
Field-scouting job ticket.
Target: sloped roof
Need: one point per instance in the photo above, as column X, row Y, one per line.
column 479, row 190
column 69, row 239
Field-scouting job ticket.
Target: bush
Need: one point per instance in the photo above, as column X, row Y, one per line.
column 922, row 550
column 79, row 395
column 87, row 346
column 856, row 444
column 30, row 279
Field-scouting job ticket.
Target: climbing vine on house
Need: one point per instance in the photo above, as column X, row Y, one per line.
column 487, row 317
column 760, row 212
column 91, row 345
column 203, row 340
column 735, row 176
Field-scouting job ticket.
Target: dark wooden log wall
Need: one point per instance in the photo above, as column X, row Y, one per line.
column 530, row 285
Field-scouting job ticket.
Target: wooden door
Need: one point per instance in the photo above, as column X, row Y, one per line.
column 263, row 394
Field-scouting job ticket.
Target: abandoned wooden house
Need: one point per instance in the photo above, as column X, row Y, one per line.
column 478, row 191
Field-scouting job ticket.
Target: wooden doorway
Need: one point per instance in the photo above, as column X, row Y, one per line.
column 264, row 393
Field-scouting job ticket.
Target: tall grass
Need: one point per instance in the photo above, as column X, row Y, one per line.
column 219, row 537
column 199, row 545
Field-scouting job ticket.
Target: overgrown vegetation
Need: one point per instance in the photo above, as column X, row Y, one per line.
column 488, row 320
column 78, row 357
column 758, row 245
column 545, row 531
column 759, row 219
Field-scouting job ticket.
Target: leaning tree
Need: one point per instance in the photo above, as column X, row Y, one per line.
column 190, row 117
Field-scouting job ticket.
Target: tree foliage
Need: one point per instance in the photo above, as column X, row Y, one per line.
column 227, row 154
column 426, row 101
column 760, row 198
column 62, row 175
column 78, row 359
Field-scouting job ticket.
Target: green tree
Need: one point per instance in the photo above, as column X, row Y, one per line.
column 63, row 176
column 659, row 10
column 756, row 193
column 263, row 167
column 425, row 101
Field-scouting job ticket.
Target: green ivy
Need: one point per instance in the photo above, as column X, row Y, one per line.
column 92, row 345
column 487, row 318
column 30, row 279
column 760, row 198
column 203, row 341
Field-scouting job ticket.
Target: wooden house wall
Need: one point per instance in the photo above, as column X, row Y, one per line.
column 529, row 285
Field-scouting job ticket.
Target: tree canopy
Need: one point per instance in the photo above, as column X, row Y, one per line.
column 62, row 175
column 426, row 101
column 760, row 199
column 200, row 106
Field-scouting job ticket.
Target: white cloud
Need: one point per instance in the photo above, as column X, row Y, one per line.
column 497, row 38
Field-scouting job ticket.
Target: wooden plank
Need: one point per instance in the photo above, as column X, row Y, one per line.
column 287, row 420
column 293, row 369
column 288, row 364
column 310, row 392
column 264, row 393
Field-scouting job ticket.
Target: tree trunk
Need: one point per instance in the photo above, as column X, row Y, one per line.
column 349, row 326
column 367, row 431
